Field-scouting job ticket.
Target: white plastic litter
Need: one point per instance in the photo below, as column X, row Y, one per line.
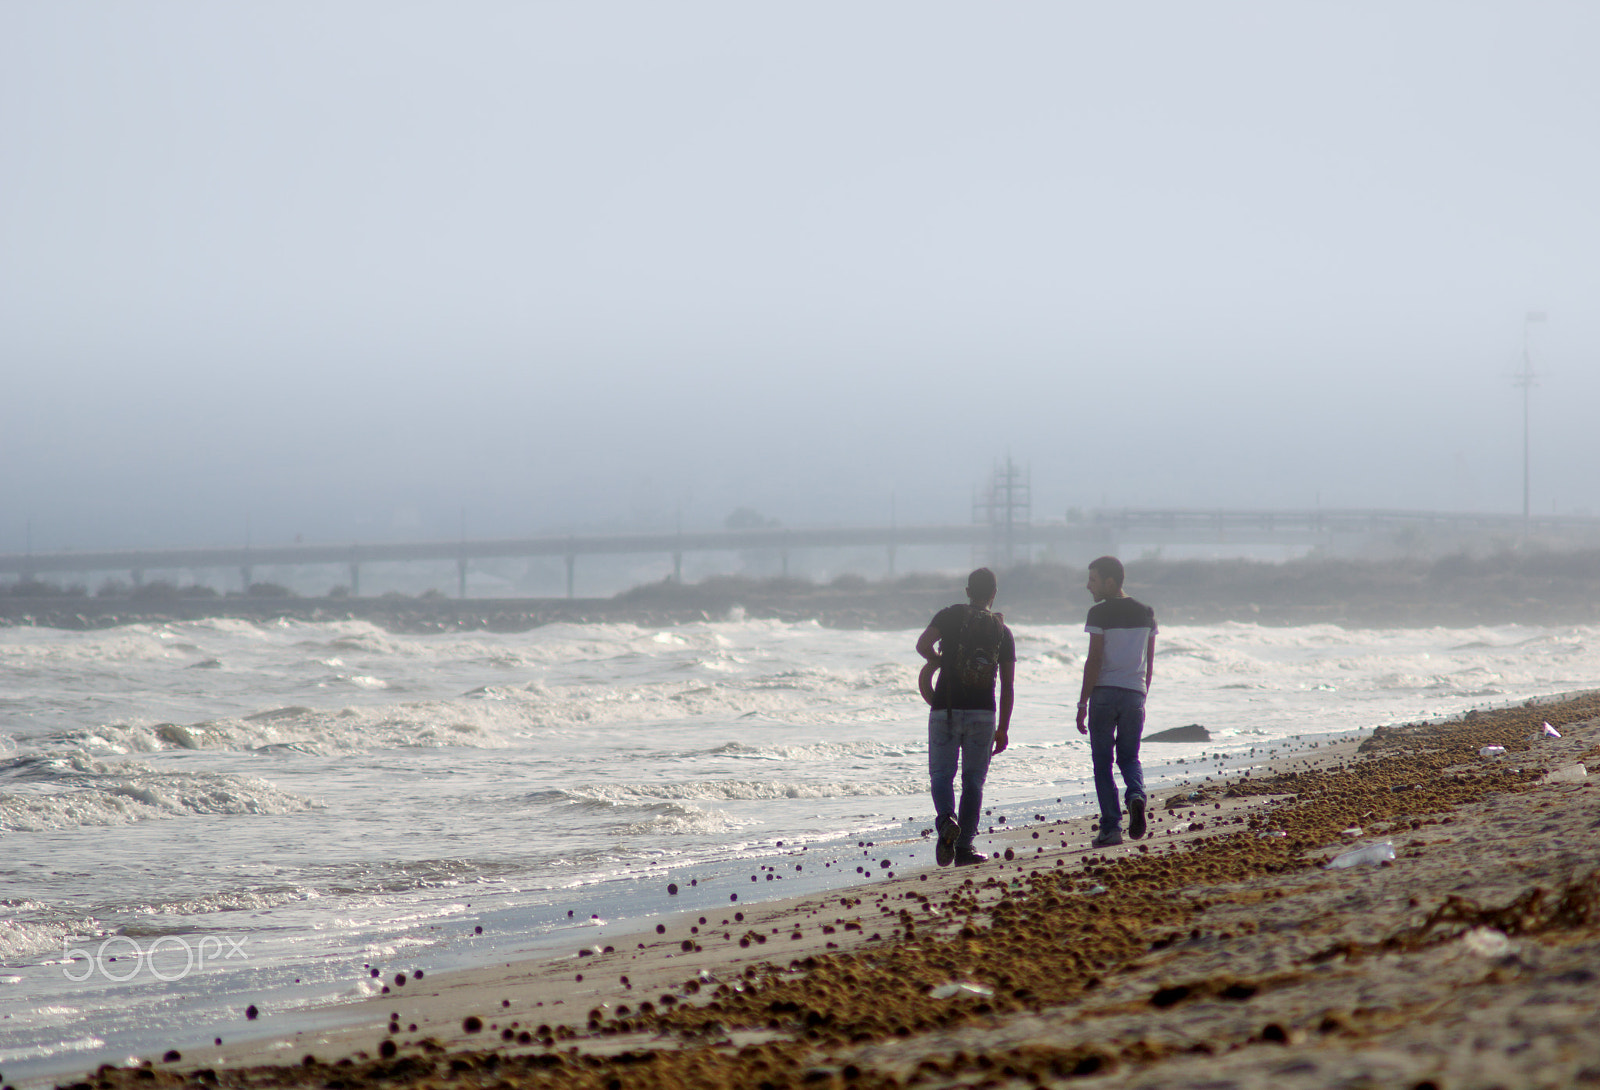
column 1551, row 732
column 1369, row 853
column 1566, row 774
column 960, row 987
column 1491, row 751
column 1486, row 942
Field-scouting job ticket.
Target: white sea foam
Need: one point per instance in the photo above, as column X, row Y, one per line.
column 227, row 901
column 100, row 795
column 818, row 751
column 310, row 730
column 747, row 790
column 23, row 940
column 681, row 820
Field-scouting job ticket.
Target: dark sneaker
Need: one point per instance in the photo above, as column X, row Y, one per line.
column 1106, row 838
column 944, row 850
column 970, row 858
column 1136, row 818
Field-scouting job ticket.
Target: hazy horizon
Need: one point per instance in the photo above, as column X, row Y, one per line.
column 373, row 271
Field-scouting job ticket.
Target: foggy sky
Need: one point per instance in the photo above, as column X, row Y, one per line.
column 350, row 270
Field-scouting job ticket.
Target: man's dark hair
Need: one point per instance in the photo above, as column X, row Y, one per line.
column 981, row 585
column 1108, row 567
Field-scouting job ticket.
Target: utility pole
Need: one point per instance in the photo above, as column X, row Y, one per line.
column 1527, row 380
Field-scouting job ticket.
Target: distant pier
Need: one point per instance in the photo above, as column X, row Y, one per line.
column 1336, row 531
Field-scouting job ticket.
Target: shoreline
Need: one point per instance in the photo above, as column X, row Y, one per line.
column 808, row 992
column 634, row 902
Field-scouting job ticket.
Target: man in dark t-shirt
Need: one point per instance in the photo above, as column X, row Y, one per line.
column 1116, row 677
column 972, row 649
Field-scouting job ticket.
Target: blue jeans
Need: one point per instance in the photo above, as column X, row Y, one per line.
column 1116, row 720
column 966, row 735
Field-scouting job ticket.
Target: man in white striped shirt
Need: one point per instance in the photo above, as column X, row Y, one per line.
column 1116, row 678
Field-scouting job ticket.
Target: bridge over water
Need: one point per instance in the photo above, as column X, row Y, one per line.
column 1338, row 531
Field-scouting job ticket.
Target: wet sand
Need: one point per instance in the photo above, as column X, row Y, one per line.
column 1216, row 952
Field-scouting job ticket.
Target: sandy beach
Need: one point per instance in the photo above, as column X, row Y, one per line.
column 1219, row 951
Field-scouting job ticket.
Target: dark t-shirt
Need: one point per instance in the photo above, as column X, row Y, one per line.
column 948, row 692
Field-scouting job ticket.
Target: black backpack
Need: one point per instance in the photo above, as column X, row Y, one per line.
column 977, row 650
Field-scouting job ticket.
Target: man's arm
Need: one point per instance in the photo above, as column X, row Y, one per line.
column 1149, row 662
column 1008, row 697
column 925, row 643
column 1091, row 674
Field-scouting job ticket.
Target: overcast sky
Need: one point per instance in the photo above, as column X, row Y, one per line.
column 350, row 269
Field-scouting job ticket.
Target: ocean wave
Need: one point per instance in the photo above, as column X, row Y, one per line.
column 123, row 794
column 552, row 706
column 30, row 651
column 387, row 878
column 485, row 717
column 23, row 940
column 1174, row 647
column 367, row 643
column 1412, row 681
column 50, row 768
column 695, row 823
column 819, row 751
column 745, row 790
column 224, row 901
column 355, row 681
column 549, row 644
column 306, row 730
column 638, row 815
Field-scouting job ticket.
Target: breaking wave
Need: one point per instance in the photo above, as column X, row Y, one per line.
column 70, row 791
